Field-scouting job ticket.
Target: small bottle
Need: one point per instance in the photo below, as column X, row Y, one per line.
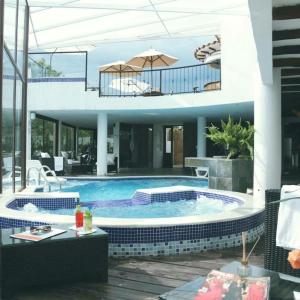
column 78, row 217
column 88, row 221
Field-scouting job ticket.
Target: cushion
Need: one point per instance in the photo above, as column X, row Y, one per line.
column 45, row 155
column 64, row 154
column 110, row 159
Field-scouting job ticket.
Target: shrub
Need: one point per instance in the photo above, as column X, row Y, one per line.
column 237, row 140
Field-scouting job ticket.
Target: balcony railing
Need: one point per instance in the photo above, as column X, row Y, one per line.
column 58, row 66
column 73, row 66
column 158, row 82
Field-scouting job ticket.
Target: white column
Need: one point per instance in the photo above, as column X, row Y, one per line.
column 201, row 138
column 28, row 138
column 116, row 135
column 267, row 139
column 102, row 144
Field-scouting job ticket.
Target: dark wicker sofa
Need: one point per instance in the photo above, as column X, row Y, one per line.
column 275, row 257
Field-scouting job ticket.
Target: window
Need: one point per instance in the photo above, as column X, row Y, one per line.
column 43, row 136
column 68, row 139
column 86, row 141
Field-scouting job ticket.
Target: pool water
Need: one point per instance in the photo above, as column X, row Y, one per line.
column 118, row 189
column 113, row 198
column 201, row 206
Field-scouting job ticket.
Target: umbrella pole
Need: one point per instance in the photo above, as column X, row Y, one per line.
column 151, row 66
column 120, row 83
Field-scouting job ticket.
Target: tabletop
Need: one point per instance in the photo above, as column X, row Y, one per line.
column 6, row 240
column 281, row 286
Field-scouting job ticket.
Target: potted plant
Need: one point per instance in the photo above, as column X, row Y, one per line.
column 237, row 140
column 233, row 172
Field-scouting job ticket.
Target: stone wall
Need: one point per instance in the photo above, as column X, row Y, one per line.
column 225, row 174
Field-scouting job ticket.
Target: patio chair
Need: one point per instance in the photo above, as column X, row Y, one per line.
column 275, row 257
column 7, row 171
column 8, row 177
column 42, row 173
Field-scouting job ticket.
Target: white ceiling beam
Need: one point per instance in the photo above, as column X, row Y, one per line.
column 89, row 18
column 74, row 37
column 175, row 11
column 286, row 42
column 159, row 18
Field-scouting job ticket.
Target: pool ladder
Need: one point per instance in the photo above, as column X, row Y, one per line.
column 42, row 175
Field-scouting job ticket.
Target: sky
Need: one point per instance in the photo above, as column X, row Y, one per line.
column 182, row 48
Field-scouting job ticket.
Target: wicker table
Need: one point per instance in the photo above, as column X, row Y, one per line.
column 61, row 259
column 280, row 289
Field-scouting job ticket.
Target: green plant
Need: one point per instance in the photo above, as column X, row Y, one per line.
column 40, row 68
column 236, row 139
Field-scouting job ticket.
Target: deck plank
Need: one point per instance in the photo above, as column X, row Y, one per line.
column 143, row 277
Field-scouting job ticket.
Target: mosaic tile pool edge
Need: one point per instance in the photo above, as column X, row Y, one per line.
column 132, row 235
column 140, row 198
column 45, row 203
column 183, row 247
column 15, row 223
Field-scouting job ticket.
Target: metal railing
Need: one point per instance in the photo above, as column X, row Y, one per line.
column 158, row 82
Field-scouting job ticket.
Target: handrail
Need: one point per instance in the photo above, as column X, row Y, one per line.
column 39, row 175
column 42, row 173
column 48, row 170
column 159, row 82
column 163, row 69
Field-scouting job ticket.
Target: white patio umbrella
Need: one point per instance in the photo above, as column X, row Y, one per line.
column 118, row 67
column 152, row 59
column 122, row 69
column 129, row 85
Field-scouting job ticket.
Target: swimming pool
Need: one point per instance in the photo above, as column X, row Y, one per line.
column 123, row 198
column 171, row 208
column 119, row 189
column 148, row 236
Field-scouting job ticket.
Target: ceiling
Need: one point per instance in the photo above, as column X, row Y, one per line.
column 286, row 51
column 84, row 23
column 88, row 119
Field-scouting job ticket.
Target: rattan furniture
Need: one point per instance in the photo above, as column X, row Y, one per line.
column 61, row 259
column 275, row 257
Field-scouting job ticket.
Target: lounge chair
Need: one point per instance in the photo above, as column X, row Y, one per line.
column 42, row 173
column 7, row 173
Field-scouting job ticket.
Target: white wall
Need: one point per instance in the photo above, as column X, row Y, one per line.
column 58, row 96
column 239, row 59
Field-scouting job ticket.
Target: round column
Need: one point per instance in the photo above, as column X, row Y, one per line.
column 201, row 137
column 267, row 138
column 102, row 144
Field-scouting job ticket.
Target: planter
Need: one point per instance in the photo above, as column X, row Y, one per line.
column 225, row 174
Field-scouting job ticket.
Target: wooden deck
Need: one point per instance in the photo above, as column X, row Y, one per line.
column 144, row 278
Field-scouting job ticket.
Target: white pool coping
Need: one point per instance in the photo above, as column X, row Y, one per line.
column 241, row 212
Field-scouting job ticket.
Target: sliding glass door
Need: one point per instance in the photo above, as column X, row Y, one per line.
column 13, row 93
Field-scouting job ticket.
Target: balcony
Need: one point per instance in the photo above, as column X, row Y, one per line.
column 159, row 82
column 73, row 67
